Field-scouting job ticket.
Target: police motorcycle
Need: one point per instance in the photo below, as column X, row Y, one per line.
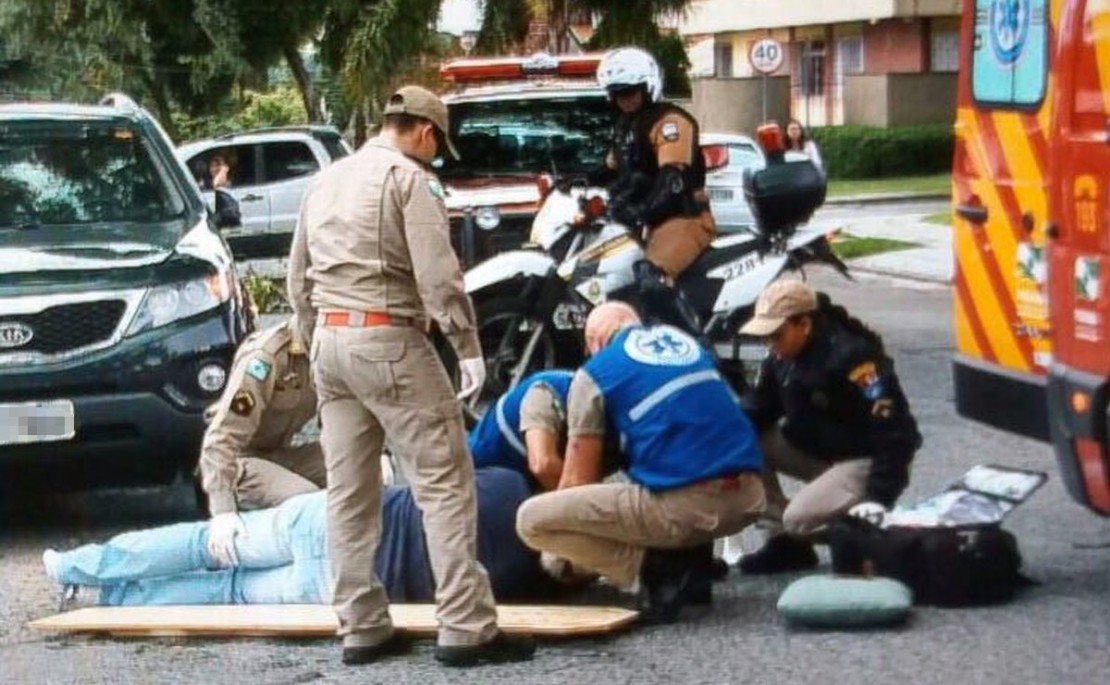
column 532, row 303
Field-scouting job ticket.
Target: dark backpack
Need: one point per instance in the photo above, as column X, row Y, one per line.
column 951, row 567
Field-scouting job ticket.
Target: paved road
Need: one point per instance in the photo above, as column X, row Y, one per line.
column 1058, row 632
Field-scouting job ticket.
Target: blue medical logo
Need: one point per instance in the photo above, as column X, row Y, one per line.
column 1009, row 29
column 661, row 346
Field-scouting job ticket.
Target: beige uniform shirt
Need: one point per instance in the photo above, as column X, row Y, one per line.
column 542, row 409
column 585, row 406
column 269, row 397
column 373, row 237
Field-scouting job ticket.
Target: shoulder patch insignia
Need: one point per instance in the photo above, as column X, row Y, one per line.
column 882, row 409
column 242, row 403
column 670, row 131
column 866, row 376
column 258, row 369
column 436, row 187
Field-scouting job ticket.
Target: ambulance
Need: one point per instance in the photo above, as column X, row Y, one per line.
column 1031, row 196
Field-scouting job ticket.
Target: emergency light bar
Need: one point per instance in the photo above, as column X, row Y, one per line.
column 514, row 68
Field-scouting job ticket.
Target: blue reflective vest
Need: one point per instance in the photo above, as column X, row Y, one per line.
column 497, row 439
column 678, row 421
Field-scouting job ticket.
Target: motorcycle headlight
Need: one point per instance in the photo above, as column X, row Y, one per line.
column 488, row 218
column 165, row 304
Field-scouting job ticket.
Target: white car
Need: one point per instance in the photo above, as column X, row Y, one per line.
column 726, row 184
column 270, row 171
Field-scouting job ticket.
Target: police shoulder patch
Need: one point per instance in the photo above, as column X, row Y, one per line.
column 258, row 369
column 242, row 403
column 866, row 376
column 435, row 187
column 670, row 131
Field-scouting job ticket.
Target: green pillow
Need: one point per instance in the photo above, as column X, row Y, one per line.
column 845, row 602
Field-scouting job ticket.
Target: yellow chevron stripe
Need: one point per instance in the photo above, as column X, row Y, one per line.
column 987, row 306
column 1002, row 244
column 965, row 339
column 1100, row 30
column 1027, row 171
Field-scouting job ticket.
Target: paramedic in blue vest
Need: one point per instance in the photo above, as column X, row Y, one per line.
column 525, row 430
column 831, row 412
column 692, row 458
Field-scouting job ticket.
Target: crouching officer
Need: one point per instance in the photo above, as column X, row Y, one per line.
column 693, row 461
column 832, row 413
column 247, row 459
column 371, row 264
column 525, row 429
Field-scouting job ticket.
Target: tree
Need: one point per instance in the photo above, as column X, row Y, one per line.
column 262, row 32
column 632, row 22
column 151, row 48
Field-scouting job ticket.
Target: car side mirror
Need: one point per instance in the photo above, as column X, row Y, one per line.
column 227, row 210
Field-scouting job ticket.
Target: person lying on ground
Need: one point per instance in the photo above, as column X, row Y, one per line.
column 282, row 555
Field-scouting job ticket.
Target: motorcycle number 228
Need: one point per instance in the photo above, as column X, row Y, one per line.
column 738, row 268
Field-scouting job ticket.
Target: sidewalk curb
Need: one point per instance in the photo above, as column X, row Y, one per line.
column 880, row 198
column 894, row 273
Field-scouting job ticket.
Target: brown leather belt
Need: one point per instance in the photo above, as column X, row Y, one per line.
column 352, row 319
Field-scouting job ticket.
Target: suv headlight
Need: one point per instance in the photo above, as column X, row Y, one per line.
column 174, row 301
column 488, row 218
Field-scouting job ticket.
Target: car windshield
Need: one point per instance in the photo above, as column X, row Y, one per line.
column 562, row 135
column 73, row 173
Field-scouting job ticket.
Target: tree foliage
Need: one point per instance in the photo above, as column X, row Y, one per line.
column 207, row 59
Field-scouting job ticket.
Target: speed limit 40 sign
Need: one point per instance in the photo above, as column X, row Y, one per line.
column 766, row 56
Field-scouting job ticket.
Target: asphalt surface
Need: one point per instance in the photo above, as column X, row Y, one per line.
column 1057, row 632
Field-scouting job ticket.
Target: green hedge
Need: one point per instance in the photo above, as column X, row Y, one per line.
column 871, row 152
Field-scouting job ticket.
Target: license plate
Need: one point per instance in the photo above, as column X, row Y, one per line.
column 36, row 422
column 720, row 193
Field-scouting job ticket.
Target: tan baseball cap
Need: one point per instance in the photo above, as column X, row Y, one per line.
column 423, row 103
column 777, row 303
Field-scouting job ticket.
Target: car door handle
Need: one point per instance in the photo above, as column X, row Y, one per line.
column 976, row 214
column 251, row 198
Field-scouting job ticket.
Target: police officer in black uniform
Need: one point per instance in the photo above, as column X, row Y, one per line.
column 831, row 413
column 657, row 177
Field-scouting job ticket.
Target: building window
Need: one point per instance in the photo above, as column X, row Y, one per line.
column 944, row 51
column 849, row 55
column 722, row 60
column 811, row 68
column 1009, row 63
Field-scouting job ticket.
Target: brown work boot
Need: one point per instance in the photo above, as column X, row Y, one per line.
column 502, row 649
column 397, row 644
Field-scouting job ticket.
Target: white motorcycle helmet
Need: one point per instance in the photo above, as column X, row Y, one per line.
column 629, row 67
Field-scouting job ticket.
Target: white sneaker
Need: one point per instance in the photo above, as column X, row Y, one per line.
column 52, row 560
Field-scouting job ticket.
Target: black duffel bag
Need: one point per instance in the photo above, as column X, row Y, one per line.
column 951, row 567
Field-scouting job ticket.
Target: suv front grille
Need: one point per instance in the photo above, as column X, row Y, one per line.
column 67, row 327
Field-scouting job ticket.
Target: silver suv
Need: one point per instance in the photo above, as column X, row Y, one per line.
column 270, row 171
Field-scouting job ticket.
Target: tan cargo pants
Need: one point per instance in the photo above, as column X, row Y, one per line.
column 676, row 243
column 388, row 380
column 270, row 479
column 606, row 527
column 832, row 488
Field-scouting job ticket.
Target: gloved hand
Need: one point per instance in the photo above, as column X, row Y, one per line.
column 472, row 374
column 872, row 512
column 222, row 530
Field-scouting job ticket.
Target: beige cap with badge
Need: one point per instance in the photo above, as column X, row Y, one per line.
column 777, row 303
column 421, row 102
